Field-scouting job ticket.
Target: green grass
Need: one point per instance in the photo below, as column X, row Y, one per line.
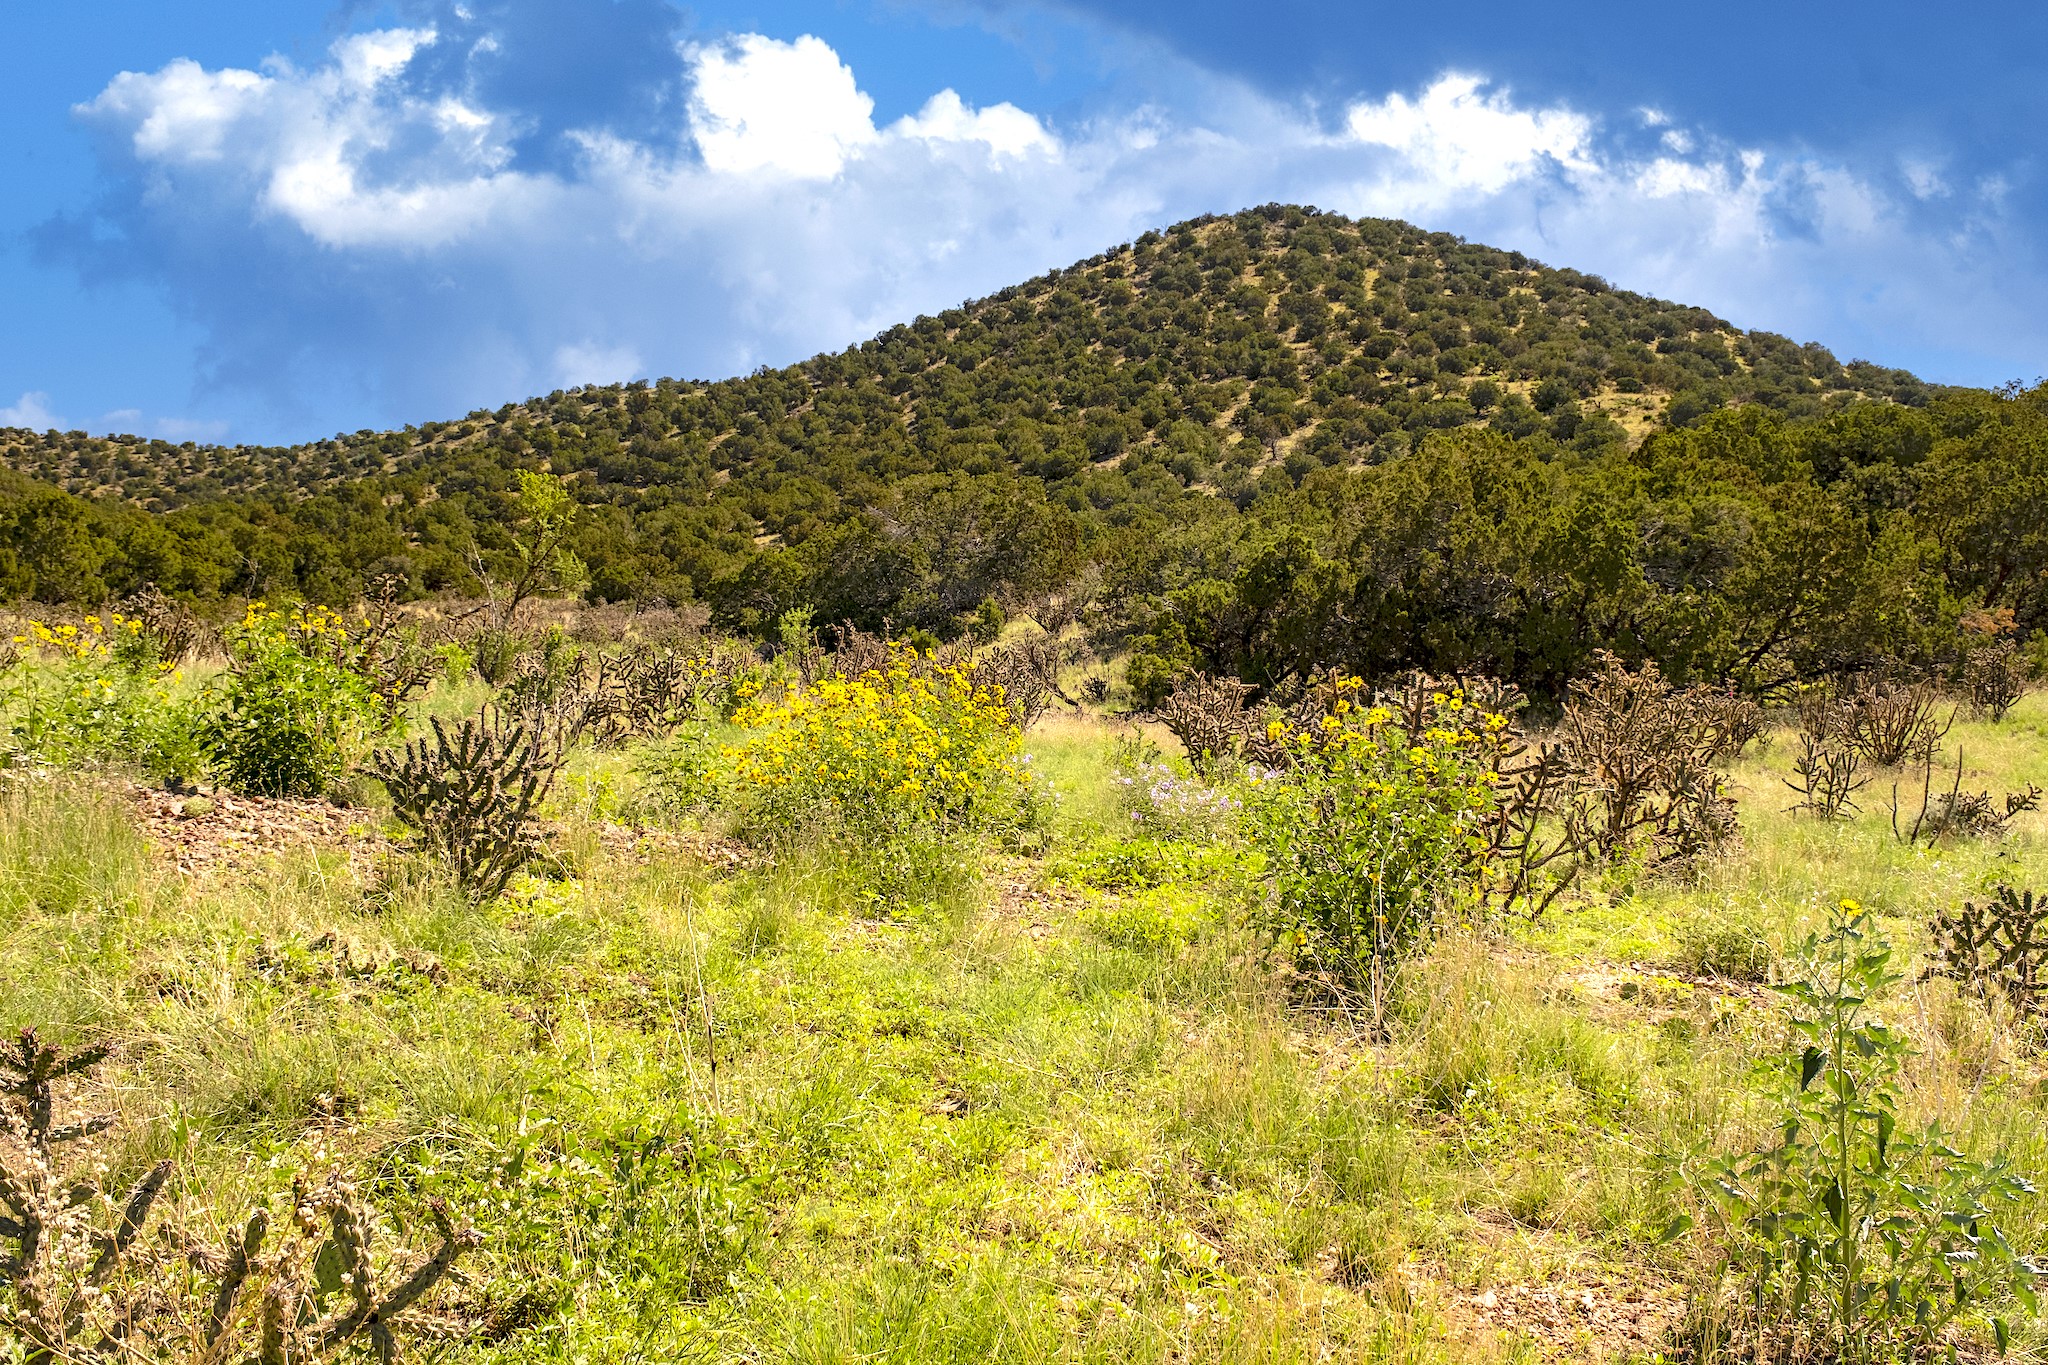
column 1071, row 1115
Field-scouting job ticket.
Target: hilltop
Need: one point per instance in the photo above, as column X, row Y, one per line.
column 1133, row 421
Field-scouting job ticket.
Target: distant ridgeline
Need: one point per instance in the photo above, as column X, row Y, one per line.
column 1262, row 443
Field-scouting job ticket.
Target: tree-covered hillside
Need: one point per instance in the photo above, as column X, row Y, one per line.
column 1259, row 441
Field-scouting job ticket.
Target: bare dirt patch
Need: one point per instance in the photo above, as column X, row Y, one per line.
column 1577, row 1319
column 219, row 831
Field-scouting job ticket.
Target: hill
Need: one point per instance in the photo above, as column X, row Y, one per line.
column 1143, row 427
column 1284, row 328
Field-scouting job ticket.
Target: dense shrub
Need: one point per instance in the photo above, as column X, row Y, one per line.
column 1373, row 834
column 916, row 752
column 100, row 692
column 290, row 718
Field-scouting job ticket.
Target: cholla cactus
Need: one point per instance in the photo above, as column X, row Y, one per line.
column 1027, row 671
column 855, row 652
column 171, row 627
column 369, row 1312
column 62, row 1255
column 1641, row 755
column 1995, row 677
column 1826, row 776
column 564, row 696
column 76, row 1286
column 1829, row 770
column 1209, row 717
column 472, row 793
column 1892, row 720
column 2000, row 946
column 1737, row 721
column 1957, row 812
column 658, row 688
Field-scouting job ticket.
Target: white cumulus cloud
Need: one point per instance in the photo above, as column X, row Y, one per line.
column 1458, row 137
column 588, row 362
column 1006, row 129
column 306, row 139
column 31, row 410
column 783, row 108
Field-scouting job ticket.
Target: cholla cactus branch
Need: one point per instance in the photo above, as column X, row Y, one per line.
column 1955, row 812
column 1829, row 770
column 454, row 1241
column 232, row 1272
column 278, row 1306
column 34, row 1065
column 134, row 1217
column 1737, row 721
column 368, row 1315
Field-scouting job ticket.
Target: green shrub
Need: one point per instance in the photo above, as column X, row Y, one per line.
column 1160, row 917
column 1731, row 946
column 1372, row 835
column 1141, row 864
column 1847, row 1233
column 901, row 771
column 679, row 776
column 100, row 692
column 914, row 750
column 290, row 720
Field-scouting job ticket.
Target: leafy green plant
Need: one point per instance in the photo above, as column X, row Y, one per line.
column 289, row 719
column 898, row 774
column 1160, row 917
column 542, row 559
column 1847, row 1237
column 1137, row 864
column 1373, row 837
column 100, row 691
column 680, row 775
column 1731, row 946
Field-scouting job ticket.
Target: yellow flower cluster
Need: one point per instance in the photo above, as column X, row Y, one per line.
column 94, row 640
column 1353, row 737
column 314, row 630
column 917, row 744
column 1348, row 726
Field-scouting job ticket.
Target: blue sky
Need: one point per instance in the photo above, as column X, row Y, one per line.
column 274, row 221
